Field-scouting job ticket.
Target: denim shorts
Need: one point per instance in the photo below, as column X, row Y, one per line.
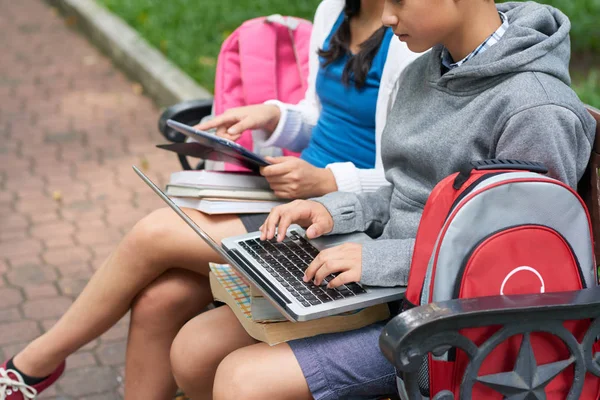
column 346, row 365
column 253, row 221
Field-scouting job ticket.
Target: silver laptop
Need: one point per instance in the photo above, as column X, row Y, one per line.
column 276, row 269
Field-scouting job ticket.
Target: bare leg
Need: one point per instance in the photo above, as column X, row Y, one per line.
column 260, row 372
column 157, row 243
column 201, row 345
column 157, row 314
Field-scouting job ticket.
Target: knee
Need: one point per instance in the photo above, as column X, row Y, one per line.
column 194, row 354
column 151, row 230
column 236, row 379
column 172, row 299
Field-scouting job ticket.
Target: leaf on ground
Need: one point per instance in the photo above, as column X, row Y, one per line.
column 57, row 195
column 71, row 20
column 207, row 61
column 164, row 45
column 144, row 164
column 137, row 88
column 142, row 18
column 90, row 60
column 225, row 34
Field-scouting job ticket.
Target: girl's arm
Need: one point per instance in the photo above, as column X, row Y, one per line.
column 356, row 180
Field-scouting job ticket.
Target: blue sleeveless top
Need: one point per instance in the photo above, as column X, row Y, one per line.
column 345, row 130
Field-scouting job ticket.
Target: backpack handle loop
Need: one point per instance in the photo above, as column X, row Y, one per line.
column 496, row 164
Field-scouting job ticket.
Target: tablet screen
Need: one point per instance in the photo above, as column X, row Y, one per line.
column 219, row 144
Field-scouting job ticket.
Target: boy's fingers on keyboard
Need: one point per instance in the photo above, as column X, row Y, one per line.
column 271, row 229
column 329, row 266
column 319, row 227
column 284, row 223
column 270, row 223
column 316, row 263
column 313, row 231
column 342, row 279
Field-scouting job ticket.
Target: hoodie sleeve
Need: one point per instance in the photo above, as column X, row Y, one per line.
column 384, row 262
column 548, row 134
column 365, row 212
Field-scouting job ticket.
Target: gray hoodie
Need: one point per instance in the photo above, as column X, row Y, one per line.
column 512, row 101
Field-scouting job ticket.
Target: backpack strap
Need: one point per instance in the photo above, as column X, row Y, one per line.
column 291, row 25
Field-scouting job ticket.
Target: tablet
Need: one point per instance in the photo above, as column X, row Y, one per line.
column 218, row 148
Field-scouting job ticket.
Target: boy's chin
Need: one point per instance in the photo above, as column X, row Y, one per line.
column 417, row 47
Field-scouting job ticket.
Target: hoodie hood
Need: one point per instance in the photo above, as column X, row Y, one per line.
column 537, row 40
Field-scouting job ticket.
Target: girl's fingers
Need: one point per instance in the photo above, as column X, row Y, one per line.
column 243, row 125
column 277, row 169
column 223, row 120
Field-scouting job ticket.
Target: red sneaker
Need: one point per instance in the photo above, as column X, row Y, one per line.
column 12, row 386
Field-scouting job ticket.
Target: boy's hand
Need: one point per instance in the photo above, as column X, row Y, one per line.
column 233, row 122
column 294, row 178
column 346, row 260
column 305, row 213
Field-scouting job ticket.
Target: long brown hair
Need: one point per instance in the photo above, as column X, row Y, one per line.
column 359, row 64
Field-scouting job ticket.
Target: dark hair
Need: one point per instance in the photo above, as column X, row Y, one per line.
column 359, row 64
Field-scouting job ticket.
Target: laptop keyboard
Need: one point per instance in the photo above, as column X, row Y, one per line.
column 287, row 261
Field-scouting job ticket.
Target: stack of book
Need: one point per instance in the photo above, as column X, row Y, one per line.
column 265, row 323
column 215, row 192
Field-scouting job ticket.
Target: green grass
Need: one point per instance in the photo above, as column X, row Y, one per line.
column 584, row 16
column 190, row 32
column 588, row 89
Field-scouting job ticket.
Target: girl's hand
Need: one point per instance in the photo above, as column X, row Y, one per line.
column 305, row 213
column 294, row 178
column 233, row 122
column 346, row 260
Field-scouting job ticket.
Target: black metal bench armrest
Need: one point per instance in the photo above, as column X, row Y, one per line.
column 434, row 328
column 187, row 112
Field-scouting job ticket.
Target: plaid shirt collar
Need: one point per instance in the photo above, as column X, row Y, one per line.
column 449, row 63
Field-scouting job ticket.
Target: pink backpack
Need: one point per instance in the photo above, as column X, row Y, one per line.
column 265, row 58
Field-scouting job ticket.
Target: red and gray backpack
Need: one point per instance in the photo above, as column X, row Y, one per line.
column 499, row 227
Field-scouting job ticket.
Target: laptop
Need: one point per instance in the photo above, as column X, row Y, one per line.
column 276, row 269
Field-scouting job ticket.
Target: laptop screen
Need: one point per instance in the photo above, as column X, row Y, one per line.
column 214, row 245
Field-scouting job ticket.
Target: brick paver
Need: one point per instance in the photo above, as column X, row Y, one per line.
column 71, row 126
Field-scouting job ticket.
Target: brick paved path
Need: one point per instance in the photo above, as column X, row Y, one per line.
column 71, row 126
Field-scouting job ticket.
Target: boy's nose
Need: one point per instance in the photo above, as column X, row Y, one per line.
column 389, row 19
